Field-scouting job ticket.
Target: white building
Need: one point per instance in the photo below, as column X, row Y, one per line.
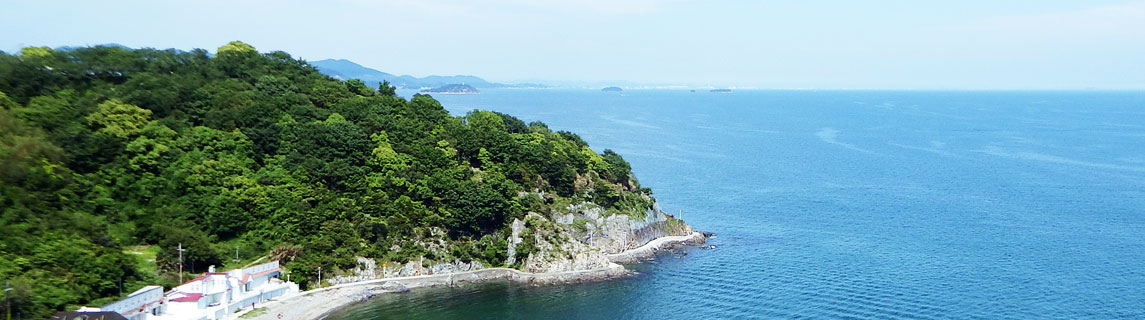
column 215, row 295
column 138, row 305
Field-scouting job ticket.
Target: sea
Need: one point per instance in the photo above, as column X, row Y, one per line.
column 850, row 205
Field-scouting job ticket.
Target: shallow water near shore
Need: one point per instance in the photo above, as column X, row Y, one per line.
column 851, row 204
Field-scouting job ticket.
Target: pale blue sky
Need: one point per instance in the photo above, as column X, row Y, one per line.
column 820, row 44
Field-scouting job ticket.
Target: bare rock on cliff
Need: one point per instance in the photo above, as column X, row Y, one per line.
column 514, row 239
column 619, row 232
column 556, row 251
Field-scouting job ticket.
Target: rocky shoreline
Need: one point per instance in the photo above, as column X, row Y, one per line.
column 657, row 245
column 316, row 304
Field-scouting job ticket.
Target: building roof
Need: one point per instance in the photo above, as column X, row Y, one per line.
column 247, row 276
column 184, row 297
column 243, row 276
column 206, row 275
column 135, row 301
column 96, row 315
column 144, row 289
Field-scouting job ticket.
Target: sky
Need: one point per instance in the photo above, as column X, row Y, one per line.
column 780, row 44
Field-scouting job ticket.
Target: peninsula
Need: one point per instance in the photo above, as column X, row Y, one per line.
column 145, row 170
column 343, row 69
column 453, row 89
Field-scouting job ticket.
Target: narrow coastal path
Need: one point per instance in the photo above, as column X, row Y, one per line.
column 315, row 304
column 652, row 247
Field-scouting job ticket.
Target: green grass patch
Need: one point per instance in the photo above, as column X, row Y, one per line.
column 248, row 254
column 253, row 313
column 145, row 258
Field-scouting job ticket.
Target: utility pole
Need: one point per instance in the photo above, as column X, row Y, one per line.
column 7, row 302
column 181, row 263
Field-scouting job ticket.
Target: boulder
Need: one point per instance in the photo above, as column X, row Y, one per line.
column 443, row 268
column 395, row 287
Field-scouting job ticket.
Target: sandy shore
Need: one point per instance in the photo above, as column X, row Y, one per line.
column 315, row 304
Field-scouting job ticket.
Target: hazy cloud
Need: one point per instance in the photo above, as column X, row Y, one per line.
column 971, row 44
column 1117, row 20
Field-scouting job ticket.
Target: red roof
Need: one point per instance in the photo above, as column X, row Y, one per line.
column 246, row 277
column 204, row 276
column 187, row 297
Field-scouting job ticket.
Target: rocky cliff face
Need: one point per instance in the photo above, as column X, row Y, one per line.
column 367, row 269
column 580, row 237
column 548, row 247
column 617, row 233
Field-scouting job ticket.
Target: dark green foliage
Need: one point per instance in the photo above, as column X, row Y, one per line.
column 359, row 88
column 494, row 250
column 617, row 169
column 527, row 246
column 475, row 209
column 386, row 89
column 103, row 148
column 512, row 124
column 198, row 254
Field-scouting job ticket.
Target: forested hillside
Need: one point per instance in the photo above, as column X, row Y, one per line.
column 241, row 155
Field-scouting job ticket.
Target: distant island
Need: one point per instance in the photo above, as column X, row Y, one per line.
column 612, row 89
column 342, row 69
column 453, row 89
column 721, row 91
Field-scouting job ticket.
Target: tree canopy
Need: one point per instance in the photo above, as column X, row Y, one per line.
column 105, row 149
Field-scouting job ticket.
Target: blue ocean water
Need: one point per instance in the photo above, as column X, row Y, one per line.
column 852, row 204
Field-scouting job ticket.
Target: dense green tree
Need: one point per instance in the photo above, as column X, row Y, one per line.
column 117, row 119
column 6, row 103
column 198, row 254
column 387, row 89
column 359, row 88
column 103, row 148
column 236, row 47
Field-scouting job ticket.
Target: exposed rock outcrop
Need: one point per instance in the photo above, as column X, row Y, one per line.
column 555, row 251
column 367, row 270
column 618, row 232
column 583, row 236
column 514, row 239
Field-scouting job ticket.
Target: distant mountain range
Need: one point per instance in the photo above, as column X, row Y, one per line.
column 70, row 48
column 345, row 69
